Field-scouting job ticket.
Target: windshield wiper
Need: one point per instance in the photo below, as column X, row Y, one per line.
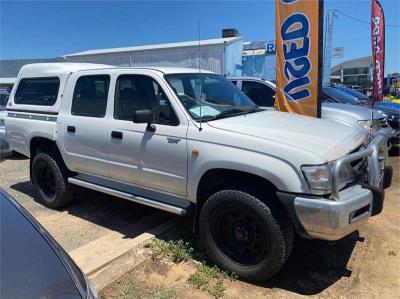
column 226, row 113
column 255, row 108
column 234, row 112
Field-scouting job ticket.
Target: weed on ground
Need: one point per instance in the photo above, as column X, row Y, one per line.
column 130, row 288
column 207, row 278
column 176, row 250
column 210, row 279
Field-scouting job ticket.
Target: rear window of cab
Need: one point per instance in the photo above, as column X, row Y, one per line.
column 37, row 91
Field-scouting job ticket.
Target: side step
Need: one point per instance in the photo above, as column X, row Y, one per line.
column 131, row 197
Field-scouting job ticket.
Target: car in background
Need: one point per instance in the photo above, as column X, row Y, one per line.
column 262, row 92
column 355, row 93
column 5, row 147
column 332, row 94
column 33, row 264
column 4, row 95
column 390, row 110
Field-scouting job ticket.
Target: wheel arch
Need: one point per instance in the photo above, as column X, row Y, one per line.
column 216, row 179
column 39, row 144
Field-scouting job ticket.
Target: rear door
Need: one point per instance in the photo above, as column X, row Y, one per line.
column 84, row 123
column 153, row 160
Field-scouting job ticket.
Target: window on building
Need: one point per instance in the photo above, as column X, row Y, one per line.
column 37, row 91
column 138, row 92
column 90, row 96
column 259, row 93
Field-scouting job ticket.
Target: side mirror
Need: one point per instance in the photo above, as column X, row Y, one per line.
column 144, row 116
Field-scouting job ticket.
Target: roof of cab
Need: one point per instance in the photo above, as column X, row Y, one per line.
column 48, row 69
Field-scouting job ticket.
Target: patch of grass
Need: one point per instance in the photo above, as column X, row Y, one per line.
column 210, row 279
column 392, row 253
column 207, row 278
column 176, row 250
column 130, row 288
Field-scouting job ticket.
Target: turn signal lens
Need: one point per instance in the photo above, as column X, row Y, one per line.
column 318, row 178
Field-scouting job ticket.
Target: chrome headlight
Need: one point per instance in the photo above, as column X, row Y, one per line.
column 347, row 175
column 318, row 178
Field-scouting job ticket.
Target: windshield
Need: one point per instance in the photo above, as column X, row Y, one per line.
column 209, row 96
column 340, row 96
column 362, row 97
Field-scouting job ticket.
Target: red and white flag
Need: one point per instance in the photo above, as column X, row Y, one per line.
column 378, row 49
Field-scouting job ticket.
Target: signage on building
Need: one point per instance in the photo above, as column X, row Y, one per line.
column 337, row 52
column 270, row 48
column 299, row 37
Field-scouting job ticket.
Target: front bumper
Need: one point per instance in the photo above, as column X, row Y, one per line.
column 332, row 220
column 346, row 210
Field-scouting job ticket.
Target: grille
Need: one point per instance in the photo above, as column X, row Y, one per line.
column 360, row 168
column 383, row 122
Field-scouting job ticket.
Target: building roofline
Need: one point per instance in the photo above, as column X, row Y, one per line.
column 351, row 61
column 206, row 42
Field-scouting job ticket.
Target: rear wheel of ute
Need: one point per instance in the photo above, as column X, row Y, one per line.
column 50, row 178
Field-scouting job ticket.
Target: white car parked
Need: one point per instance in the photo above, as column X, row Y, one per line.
column 190, row 142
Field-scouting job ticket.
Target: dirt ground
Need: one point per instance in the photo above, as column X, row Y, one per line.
column 365, row 264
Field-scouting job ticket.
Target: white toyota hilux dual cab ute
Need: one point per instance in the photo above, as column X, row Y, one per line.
column 184, row 141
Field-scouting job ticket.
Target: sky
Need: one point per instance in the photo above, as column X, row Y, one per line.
column 37, row 29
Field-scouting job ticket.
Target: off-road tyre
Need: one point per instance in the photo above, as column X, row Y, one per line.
column 268, row 225
column 50, row 178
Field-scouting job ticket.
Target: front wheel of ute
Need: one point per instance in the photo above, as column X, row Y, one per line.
column 244, row 235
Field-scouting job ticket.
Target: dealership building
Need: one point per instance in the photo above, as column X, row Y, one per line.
column 229, row 55
column 221, row 55
column 356, row 73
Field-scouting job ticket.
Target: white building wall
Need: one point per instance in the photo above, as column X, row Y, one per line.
column 212, row 57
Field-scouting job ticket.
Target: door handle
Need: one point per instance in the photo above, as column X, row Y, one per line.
column 71, row 129
column 116, row 135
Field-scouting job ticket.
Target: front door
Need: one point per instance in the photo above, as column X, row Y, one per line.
column 154, row 160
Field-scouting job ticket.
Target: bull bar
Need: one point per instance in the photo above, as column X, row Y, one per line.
column 375, row 161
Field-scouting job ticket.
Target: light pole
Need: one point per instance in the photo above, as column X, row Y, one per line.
column 328, row 37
